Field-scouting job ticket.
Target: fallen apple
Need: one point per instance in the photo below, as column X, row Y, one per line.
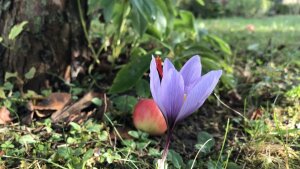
column 148, row 118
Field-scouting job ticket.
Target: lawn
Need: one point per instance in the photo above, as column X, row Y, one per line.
column 282, row 29
column 267, row 61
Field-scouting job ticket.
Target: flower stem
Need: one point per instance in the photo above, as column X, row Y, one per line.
column 166, row 149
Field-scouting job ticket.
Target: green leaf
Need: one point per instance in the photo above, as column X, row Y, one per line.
column 75, row 126
column 128, row 76
column 103, row 136
column 142, row 88
column 175, row 159
column 64, row 152
column 71, row 140
column 93, row 6
column 91, row 127
column 201, row 2
column 16, row 30
column 134, row 134
column 186, row 20
column 9, row 75
column 7, row 145
column 205, row 142
column 154, row 152
column 218, row 42
column 1, row 39
column 154, row 32
column 88, row 155
column 2, row 93
column 228, row 80
column 125, row 103
column 97, row 101
column 232, row 165
column 30, row 74
column 26, row 139
column 8, row 86
column 214, row 165
column 139, row 22
column 147, row 8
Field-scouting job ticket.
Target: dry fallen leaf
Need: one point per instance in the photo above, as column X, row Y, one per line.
column 55, row 101
column 44, row 107
column 257, row 114
column 4, row 116
column 74, row 112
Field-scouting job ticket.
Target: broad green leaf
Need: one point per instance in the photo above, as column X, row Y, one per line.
column 1, row 39
column 151, row 30
column 129, row 143
column 92, row 127
column 139, row 22
column 75, row 126
column 125, row 103
column 154, row 152
column 2, row 93
column 8, row 86
column 160, row 22
column 87, row 155
column 209, row 64
column 186, row 20
column 228, row 80
column 218, row 42
column 30, row 74
column 205, row 141
column 71, row 140
column 31, row 94
column 97, row 101
column 108, row 7
column 134, row 134
column 232, row 165
column 201, row 2
column 128, row 76
column 103, row 136
column 64, row 152
column 175, row 159
column 93, row 6
column 16, row 30
column 142, row 88
column 9, row 75
column 147, row 8
column 26, row 139
column 7, row 144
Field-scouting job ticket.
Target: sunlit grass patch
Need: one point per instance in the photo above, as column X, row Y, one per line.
column 282, row 29
column 270, row 155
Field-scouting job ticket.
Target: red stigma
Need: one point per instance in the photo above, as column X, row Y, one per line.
column 159, row 66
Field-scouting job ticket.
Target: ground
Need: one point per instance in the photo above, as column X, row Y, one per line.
column 255, row 124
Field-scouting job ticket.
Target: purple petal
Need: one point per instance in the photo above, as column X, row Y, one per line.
column 191, row 73
column 167, row 65
column 200, row 92
column 171, row 94
column 155, row 83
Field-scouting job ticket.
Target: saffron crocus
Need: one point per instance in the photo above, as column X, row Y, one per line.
column 180, row 93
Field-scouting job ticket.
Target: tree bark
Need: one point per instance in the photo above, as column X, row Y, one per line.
column 52, row 35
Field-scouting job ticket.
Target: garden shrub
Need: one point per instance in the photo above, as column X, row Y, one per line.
column 248, row 8
column 284, row 9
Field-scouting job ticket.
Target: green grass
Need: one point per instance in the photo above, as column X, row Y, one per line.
column 282, row 29
column 267, row 65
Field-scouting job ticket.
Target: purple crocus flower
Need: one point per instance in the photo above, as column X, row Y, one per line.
column 180, row 93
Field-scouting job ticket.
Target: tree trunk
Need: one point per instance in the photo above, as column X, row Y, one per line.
column 52, row 35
